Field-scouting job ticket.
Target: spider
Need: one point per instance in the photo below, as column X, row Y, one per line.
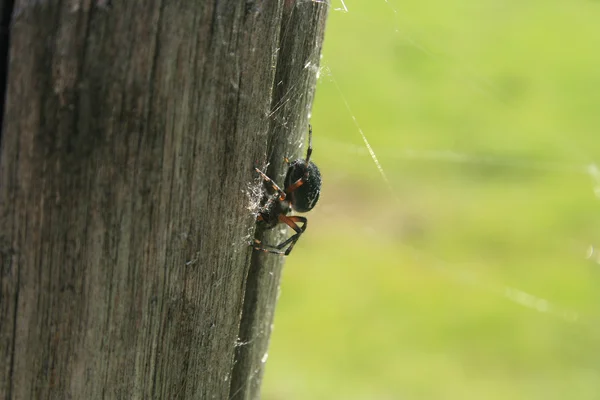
column 302, row 189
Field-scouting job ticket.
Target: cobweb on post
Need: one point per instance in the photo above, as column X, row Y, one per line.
column 255, row 190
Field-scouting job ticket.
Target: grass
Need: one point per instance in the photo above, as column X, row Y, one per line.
column 484, row 118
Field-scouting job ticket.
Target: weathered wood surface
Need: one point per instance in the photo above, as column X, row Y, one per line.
column 129, row 138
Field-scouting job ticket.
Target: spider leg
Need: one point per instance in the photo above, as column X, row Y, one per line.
column 296, row 184
column 273, row 184
column 309, row 150
column 292, row 222
column 265, row 248
column 301, row 181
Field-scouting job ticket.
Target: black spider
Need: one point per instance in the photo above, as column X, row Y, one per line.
column 302, row 189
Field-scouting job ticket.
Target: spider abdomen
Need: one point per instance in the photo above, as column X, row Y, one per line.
column 305, row 197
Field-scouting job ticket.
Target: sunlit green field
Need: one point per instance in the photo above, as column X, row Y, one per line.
column 471, row 270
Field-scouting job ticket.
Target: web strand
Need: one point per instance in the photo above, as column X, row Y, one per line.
column 510, row 293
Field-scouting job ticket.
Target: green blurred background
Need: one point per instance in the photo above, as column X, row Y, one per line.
column 472, row 274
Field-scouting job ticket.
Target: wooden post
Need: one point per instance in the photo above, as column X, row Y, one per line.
column 130, row 132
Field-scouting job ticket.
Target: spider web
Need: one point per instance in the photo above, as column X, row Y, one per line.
column 384, row 159
column 385, row 163
column 452, row 156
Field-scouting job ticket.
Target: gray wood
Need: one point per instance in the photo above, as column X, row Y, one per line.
column 129, row 138
column 297, row 67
